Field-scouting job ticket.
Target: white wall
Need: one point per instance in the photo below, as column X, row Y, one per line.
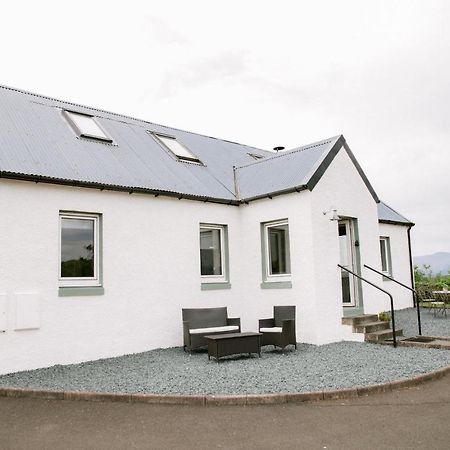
column 398, row 238
column 151, row 270
column 151, row 267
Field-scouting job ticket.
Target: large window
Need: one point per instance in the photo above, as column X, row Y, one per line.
column 277, row 258
column 212, row 253
column 385, row 250
column 79, row 250
column 86, row 126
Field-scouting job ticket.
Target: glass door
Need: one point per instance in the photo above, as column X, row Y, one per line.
column 347, row 259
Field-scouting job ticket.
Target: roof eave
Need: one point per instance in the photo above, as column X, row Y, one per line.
column 394, row 222
column 110, row 187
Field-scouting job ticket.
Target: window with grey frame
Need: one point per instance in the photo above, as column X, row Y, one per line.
column 79, row 250
column 212, row 253
column 385, row 252
column 277, row 250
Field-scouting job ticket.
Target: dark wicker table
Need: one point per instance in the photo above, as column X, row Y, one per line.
column 233, row 343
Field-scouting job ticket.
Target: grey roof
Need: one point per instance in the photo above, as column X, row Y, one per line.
column 284, row 171
column 386, row 214
column 37, row 143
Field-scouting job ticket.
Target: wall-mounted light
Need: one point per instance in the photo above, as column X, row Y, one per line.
column 332, row 212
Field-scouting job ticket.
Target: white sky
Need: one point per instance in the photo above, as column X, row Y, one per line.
column 263, row 73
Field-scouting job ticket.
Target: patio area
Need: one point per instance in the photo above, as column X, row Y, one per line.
column 309, row 368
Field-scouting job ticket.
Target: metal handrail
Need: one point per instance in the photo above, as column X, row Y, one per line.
column 416, row 297
column 394, row 338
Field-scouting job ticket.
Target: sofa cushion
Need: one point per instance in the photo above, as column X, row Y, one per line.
column 214, row 329
column 271, row 330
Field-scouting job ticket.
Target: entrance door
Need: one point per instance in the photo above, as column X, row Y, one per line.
column 347, row 259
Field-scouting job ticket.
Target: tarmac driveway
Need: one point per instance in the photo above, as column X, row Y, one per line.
column 411, row 418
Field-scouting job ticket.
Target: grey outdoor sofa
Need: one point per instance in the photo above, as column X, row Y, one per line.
column 280, row 329
column 201, row 322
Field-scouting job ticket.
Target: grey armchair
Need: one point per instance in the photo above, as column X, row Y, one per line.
column 279, row 331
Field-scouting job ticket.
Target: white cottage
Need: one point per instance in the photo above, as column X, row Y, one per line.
column 110, row 225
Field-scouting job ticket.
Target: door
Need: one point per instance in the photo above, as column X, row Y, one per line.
column 347, row 260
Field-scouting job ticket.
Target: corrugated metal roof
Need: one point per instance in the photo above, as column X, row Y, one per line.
column 284, row 171
column 389, row 215
column 37, row 142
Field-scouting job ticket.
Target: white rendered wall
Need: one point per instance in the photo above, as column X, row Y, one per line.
column 398, row 238
column 341, row 187
column 151, row 269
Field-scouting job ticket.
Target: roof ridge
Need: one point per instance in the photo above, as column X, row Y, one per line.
column 290, row 152
column 46, row 97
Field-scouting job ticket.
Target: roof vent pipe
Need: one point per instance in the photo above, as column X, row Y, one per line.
column 277, row 149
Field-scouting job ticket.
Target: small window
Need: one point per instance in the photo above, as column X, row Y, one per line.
column 256, row 156
column 212, row 253
column 385, row 250
column 176, row 148
column 86, row 126
column 79, row 250
column 276, row 251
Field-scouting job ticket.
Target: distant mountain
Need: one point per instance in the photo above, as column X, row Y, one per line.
column 439, row 262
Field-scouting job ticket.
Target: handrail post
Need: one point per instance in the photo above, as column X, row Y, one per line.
column 394, row 337
column 415, row 296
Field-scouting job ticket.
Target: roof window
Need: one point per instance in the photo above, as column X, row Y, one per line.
column 86, row 126
column 256, row 156
column 176, row 148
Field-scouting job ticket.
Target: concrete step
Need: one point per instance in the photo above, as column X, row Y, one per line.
column 381, row 335
column 370, row 327
column 357, row 320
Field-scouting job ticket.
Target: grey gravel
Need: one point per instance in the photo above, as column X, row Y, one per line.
column 310, row 368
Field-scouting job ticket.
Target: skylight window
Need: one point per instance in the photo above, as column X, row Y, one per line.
column 256, row 156
column 86, row 126
column 177, row 148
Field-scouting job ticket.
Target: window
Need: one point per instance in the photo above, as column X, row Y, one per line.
column 276, row 251
column 86, row 126
column 256, row 156
column 176, row 148
column 79, row 250
column 385, row 250
column 213, row 245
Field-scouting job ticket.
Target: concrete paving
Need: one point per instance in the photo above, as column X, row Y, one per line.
column 411, row 418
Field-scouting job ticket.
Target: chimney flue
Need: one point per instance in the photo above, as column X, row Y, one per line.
column 277, row 149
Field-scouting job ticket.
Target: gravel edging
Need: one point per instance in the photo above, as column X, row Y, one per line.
column 223, row 400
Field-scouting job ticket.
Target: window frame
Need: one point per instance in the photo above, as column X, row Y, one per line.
column 94, row 281
column 194, row 160
column 387, row 252
column 79, row 132
column 223, row 278
column 267, row 276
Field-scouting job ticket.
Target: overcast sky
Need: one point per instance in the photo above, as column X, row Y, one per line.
column 265, row 74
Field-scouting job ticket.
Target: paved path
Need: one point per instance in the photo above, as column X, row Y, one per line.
column 412, row 418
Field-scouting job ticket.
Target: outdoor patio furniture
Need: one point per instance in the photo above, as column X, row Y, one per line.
column 233, row 343
column 201, row 322
column 279, row 331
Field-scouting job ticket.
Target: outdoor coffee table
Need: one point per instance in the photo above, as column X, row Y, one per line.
column 233, row 343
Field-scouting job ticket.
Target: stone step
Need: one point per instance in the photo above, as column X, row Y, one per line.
column 357, row 320
column 381, row 335
column 370, row 327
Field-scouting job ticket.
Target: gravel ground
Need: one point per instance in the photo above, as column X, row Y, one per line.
column 310, row 368
column 431, row 326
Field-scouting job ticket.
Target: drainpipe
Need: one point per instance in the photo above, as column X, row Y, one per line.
column 411, row 268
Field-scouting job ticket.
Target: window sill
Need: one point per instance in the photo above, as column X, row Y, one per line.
column 215, row 286
column 276, row 285
column 78, row 291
